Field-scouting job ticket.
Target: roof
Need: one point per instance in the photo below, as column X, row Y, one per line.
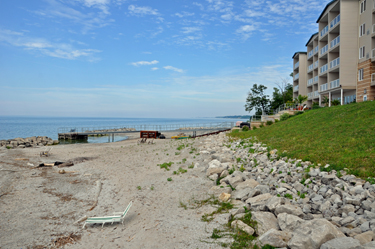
column 311, row 38
column 328, row 4
column 298, row 53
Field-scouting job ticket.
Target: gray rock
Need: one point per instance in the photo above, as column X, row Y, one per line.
column 289, row 209
column 370, row 245
column 353, row 232
column 249, row 183
column 273, row 202
column 263, row 188
column 234, row 181
column 265, row 221
column 288, row 222
column 239, row 194
column 348, row 208
column 217, row 190
column 317, row 199
column 346, row 220
column 342, row 243
column 259, row 200
column 369, row 215
column 365, row 238
column 242, row 226
column 312, row 234
column 275, row 238
column 351, row 200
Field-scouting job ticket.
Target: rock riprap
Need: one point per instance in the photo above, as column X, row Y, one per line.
column 27, row 142
column 296, row 204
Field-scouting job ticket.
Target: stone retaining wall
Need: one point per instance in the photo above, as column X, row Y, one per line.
column 28, row 142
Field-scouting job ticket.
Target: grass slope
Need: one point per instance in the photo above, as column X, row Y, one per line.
column 342, row 136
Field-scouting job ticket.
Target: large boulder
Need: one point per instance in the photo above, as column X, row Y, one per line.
column 288, row 222
column 312, row 234
column 275, row 238
column 342, row 243
column 217, row 190
column 265, row 221
column 365, row 238
column 273, row 202
column 215, row 170
column 249, row 183
column 242, row 226
column 259, row 200
column 289, row 209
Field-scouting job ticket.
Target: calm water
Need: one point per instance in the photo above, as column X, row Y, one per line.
column 13, row 127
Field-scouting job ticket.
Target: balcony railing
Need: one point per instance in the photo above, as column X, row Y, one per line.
column 311, row 53
column 316, row 94
column 296, row 65
column 316, row 49
column 324, row 50
column 373, row 27
column 324, row 31
column 334, row 63
column 296, row 88
column 335, row 41
column 316, row 64
column 334, row 84
column 311, row 67
column 373, row 53
column 310, row 81
column 335, row 21
column 324, row 68
column 324, row 87
column 373, row 78
column 310, row 95
column 296, row 77
column 316, row 79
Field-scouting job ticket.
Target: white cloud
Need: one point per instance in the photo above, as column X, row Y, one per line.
column 144, row 63
column 100, row 4
column 246, row 31
column 188, row 30
column 143, row 10
column 43, row 46
column 184, row 14
column 201, row 7
column 154, row 68
column 173, row 69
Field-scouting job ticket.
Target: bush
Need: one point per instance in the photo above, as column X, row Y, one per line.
column 335, row 102
column 269, row 122
column 254, row 128
column 284, row 117
column 261, row 125
column 276, row 120
column 245, row 128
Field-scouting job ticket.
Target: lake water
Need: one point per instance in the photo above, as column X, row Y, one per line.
column 13, row 127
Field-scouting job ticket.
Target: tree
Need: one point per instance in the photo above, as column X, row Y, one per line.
column 325, row 100
column 257, row 99
column 300, row 99
column 281, row 95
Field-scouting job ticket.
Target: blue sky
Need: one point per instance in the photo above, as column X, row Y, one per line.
column 139, row 58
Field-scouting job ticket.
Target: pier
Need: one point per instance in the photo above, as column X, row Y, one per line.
column 75, row 133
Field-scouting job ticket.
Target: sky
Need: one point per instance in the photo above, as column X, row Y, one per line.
column 146, row 58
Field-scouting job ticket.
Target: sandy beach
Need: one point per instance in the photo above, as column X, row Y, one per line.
column 39, row 206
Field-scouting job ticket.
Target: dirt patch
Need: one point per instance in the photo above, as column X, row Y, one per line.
column 63, row 240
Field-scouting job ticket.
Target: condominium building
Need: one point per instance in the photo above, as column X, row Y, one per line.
column 340, row 56
column 299, row 73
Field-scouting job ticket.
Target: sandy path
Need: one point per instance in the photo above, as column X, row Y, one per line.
column 39, row 205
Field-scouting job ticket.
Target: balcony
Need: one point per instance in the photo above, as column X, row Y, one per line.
column 334, row 84
column 335, row 42
column 311, row 67
column 373, row 27
column 316, row 78
column 310, row 95
column 334, row 63
column 296, row 77
column 334, row 21
column 324, row 68
column 373, row 53
column 324, row 31
column 316, row 64
column 324, row 87
column 324, row 50
column 316, row 49
column 373, row 79
column 316, row 94
column 296, row 65
column 310, row 81
column 296, row 88
column 311, row 53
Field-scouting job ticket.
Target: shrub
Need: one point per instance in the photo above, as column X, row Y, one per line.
column 261, row 125
column 269, row 122
column 245, row 128
column 276, row 120
column 284, row 117
column 169, row 179
column 335, row 102
column 254, row 128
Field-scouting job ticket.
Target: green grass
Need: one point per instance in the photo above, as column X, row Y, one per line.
column 166, row 165
column 342, row 136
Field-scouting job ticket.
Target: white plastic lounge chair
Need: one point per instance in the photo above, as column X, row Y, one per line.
column 117, row 217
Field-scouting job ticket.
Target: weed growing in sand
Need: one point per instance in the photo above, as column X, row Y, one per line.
column 191, row 166
column 169, row 179
column 152, row 187
column 289, row 196
column 180, row 170
column 177, row 153
column 166, row 165
column 183, row 205
column 182, row 146
column 184, row 160
column 139, row 188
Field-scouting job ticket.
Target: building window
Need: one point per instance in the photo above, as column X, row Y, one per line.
column 360, row 74
column 349, row 99
column 363, row 6
column 362, row 30
column 365, row 98
column 362, row 52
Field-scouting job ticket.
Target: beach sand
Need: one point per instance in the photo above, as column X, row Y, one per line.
column 38, row 206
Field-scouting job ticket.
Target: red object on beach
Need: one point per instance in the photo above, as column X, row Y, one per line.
column 149, row 134
column 238, row 123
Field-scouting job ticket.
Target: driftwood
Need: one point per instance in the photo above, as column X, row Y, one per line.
column 98, row 189
column 21, row 159
column 80, row 220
